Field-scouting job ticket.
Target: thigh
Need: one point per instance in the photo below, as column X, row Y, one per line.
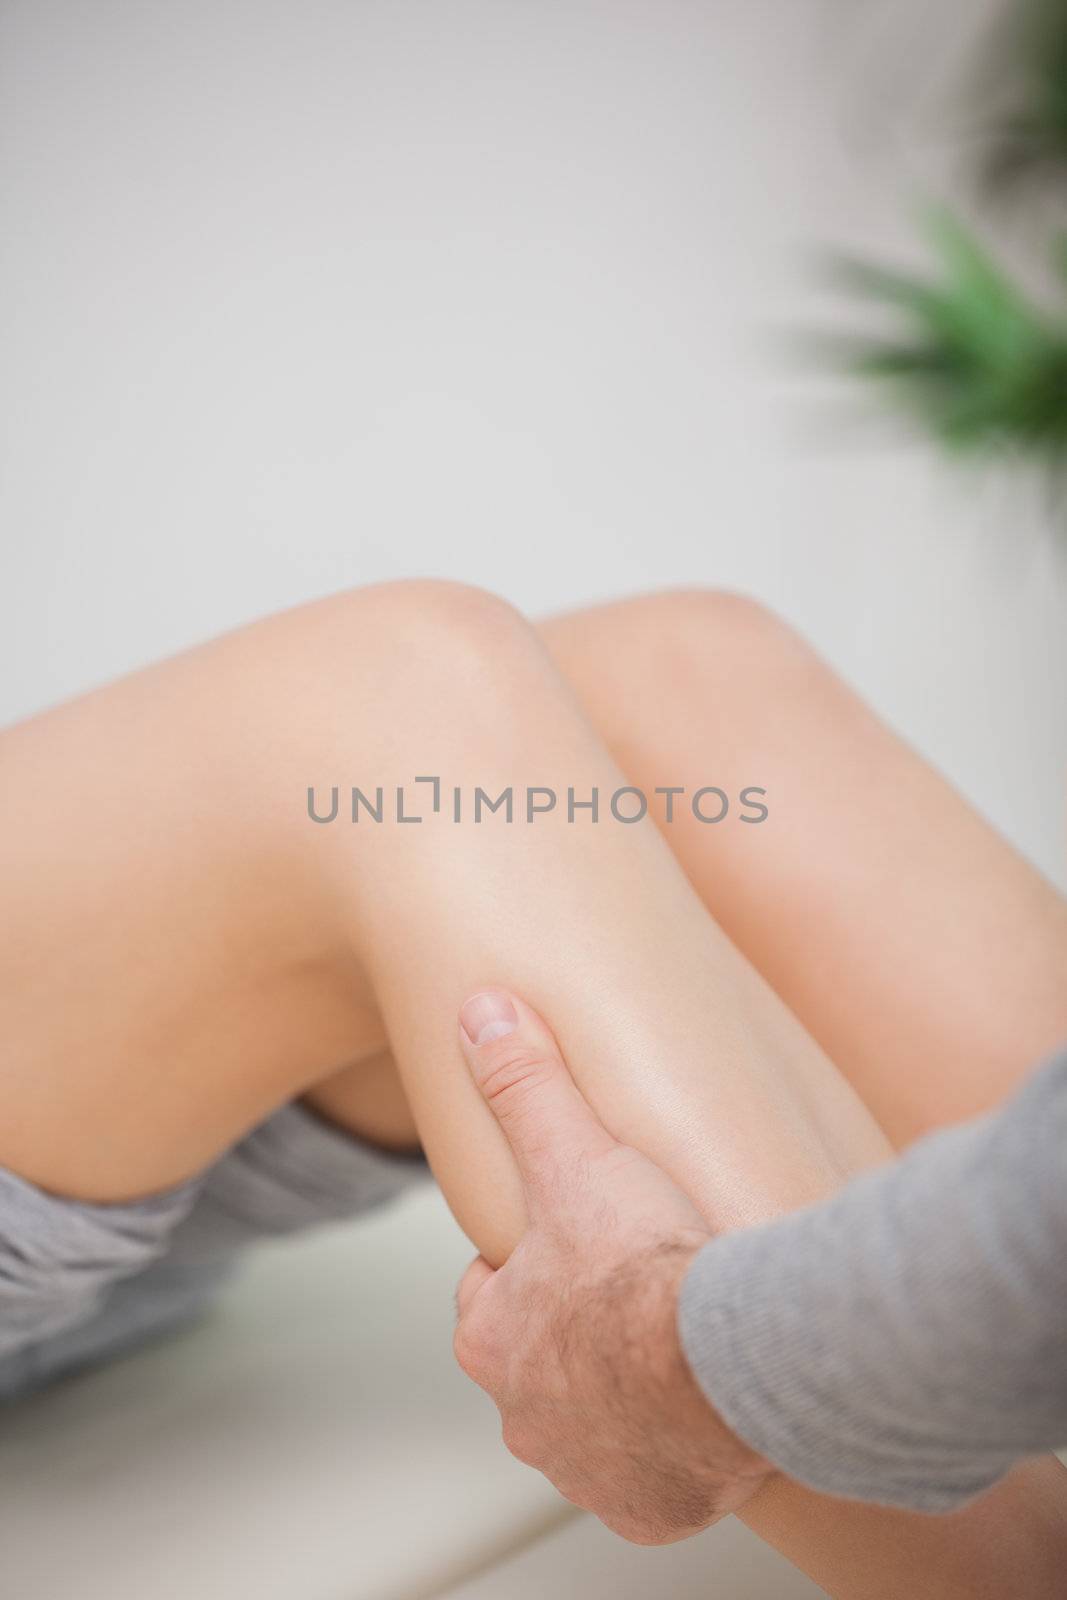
column 926, row 956
column 169, row 968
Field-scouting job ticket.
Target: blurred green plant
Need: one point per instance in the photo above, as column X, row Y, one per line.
column 969, row 353
column 970, row 356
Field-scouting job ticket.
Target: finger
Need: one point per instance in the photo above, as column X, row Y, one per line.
column 516, row 1063
column 476, row 1277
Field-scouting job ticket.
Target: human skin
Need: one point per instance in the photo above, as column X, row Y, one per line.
column 183, row 951
column 923, row 953
column 575, row 1338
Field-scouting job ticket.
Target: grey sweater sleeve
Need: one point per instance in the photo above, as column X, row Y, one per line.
column 906, row 1341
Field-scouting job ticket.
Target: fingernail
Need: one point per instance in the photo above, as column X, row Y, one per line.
column 487, row 1016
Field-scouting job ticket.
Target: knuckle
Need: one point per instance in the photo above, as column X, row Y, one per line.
column 468, row 1351
column 513, row 1076
column 522, row 1442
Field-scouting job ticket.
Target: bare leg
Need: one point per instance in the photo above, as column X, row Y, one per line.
column 920, row 950
column 925, row 956
column 928, row 959
column 251, row 952
column 184, row 948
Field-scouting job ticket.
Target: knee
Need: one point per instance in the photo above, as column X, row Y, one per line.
column 440, row 606
column 710, row 616
column 679, row 634
column 367, row 689
column 409, row 632
column 422, row 661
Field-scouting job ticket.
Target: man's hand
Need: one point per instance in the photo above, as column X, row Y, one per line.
column 575, row 1337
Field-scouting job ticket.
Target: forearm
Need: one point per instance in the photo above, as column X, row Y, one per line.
column 902, row 1342
column 903, row 1396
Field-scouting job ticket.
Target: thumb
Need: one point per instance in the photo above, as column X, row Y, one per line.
column 516, row 1063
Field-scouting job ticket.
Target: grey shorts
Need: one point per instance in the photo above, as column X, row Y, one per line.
column 82, row 1283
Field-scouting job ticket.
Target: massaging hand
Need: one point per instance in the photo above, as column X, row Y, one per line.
column 575, row 1337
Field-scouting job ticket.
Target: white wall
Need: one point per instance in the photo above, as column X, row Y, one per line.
column 300, row 295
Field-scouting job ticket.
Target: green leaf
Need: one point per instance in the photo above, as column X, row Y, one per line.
column 974, row 360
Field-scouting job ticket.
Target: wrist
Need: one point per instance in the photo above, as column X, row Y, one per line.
column 722, row 1442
